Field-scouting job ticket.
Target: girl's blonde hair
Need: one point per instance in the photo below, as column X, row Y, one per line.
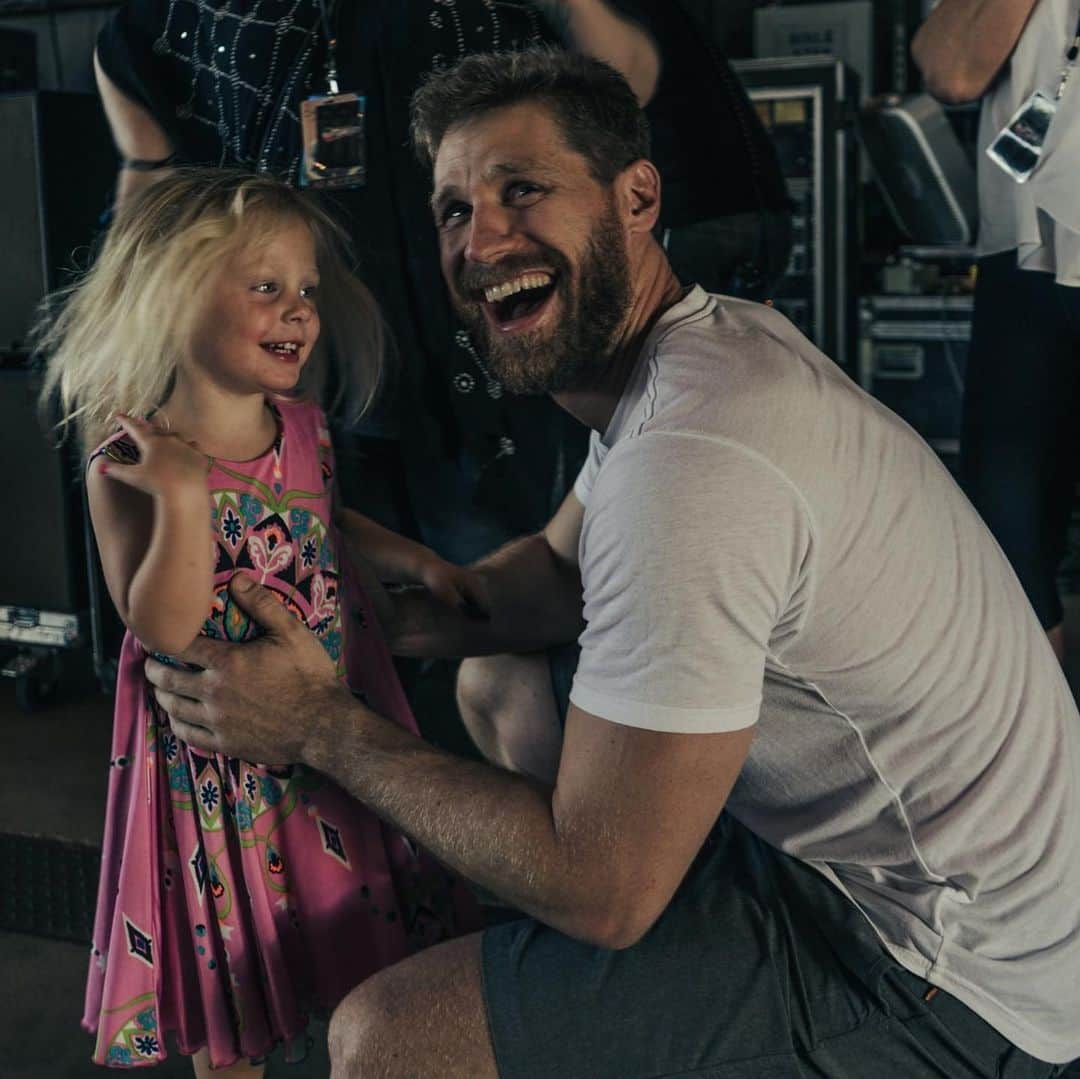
column 125, row 326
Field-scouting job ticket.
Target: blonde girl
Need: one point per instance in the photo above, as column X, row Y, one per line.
column 234, row 898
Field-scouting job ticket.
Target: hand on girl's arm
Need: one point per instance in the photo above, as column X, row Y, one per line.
column 597, row 857
column 152, row 523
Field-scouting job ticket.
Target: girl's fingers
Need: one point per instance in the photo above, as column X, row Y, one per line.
column 128, row 474
column 138, row 429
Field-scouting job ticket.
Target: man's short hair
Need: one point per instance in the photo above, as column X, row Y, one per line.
column 593, row 105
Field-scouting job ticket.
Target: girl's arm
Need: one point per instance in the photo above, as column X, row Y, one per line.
column 152, row 523
column 389, row 557
column 392, row 556
column 963, row 44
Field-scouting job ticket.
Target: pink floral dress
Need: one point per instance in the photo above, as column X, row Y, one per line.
column 234, row 898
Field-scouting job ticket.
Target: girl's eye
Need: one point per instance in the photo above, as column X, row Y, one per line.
column 310, row 292
column 265, row 287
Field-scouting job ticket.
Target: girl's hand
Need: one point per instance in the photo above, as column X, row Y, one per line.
column 167, row 464
column 456, row 586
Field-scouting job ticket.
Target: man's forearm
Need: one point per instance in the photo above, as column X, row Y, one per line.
column 535, row 602
column 493, row 827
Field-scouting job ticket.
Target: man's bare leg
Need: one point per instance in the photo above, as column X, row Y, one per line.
column 508, row 707
column 421, row 1017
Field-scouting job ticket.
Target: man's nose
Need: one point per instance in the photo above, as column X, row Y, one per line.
column 492, row 234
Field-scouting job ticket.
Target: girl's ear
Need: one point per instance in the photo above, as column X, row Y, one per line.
column 638, row 195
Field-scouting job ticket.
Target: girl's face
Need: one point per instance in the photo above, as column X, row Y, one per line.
column 260, row 320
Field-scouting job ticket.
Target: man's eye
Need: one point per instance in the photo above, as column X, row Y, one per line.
column 522, row 189
column 454, row 213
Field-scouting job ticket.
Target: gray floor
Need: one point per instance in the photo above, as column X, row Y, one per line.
column 52, row 783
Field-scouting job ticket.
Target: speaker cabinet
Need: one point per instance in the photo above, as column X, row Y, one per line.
column 41, row 546
column 59, row 170
column 18, row 60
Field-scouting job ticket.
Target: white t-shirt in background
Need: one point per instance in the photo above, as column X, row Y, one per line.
column 1039, row 218
column 763, row 542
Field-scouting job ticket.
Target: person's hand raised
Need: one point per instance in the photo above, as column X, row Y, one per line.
column 166, row 465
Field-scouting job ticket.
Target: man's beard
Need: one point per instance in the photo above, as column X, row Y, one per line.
column 546, row 361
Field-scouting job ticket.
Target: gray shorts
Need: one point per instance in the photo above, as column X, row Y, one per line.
column 758, row 969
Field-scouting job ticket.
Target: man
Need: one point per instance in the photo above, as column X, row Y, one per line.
column 773, row 569
column 449, row 456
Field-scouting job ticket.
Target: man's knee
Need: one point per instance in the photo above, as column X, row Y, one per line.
column 481, row 690
column 508, row 707
column 359, row 1025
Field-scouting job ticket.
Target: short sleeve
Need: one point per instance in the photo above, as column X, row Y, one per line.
column 590, row 469
column 692, row 550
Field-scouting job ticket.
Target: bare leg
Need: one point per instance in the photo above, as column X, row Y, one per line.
column 421, row 1017
column 240, row 1070
column 1056, row 635
column 508, row 707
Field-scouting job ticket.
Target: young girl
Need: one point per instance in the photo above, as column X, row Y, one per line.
column 233, row 897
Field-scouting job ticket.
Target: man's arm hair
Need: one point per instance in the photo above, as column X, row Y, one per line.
column 598, row 856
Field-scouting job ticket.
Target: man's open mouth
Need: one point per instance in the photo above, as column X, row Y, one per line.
column 512, row 304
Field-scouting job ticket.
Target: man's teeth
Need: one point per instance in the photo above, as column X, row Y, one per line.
column 519, row 284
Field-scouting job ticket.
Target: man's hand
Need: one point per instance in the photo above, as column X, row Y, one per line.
column 260, row 701
column 456, row 586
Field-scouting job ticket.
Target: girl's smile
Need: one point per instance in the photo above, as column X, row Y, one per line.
column 260, row 322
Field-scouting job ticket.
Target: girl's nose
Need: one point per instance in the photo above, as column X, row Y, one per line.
column 301, row 311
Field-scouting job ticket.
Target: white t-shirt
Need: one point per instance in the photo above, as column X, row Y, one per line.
column 1040, row 218
column 763, row 542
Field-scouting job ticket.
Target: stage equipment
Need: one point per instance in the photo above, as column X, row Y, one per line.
column 807, row 105
column 18, row 60
column 925, row 177
column 841, row 30
column 58, row 173
column 912, row 357
column 42, row 572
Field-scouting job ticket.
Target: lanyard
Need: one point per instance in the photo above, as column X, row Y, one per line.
column 331, row 46
column 1070, row 56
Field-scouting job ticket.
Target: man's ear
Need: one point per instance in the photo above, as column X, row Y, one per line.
column 638, row 192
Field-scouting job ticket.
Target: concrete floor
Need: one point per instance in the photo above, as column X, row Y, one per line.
column 52, row 783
